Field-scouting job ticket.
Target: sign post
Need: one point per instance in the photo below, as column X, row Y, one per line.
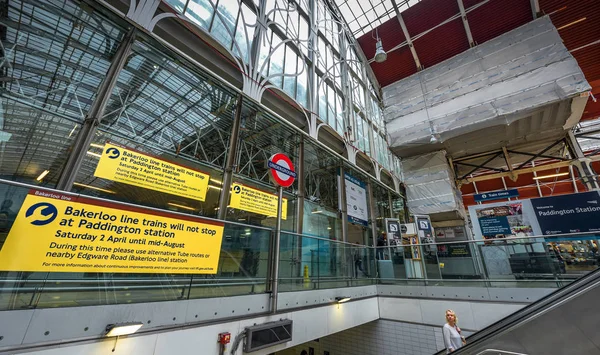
column 282, row 171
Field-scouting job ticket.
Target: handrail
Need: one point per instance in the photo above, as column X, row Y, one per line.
column 500, row 352
column 534, row 310
column 140, row 280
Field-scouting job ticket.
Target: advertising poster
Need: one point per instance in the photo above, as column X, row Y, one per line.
column 454, row 250
column 131, row 167
column 504, row 221
column 61, row 233
column 253, row 200
column 574, row 213
column 356, row 201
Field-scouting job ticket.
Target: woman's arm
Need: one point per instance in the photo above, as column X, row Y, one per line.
column 447, row 343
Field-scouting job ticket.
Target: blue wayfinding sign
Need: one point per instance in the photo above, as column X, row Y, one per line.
column 496, row 195
column 573, row 213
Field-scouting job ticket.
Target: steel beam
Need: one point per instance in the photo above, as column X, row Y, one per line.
column 95, row 114
column 343, row 203
column 300, row 193
column 537, row 155
column 535, row 8
column 540, row 153
column 231, row 157
column 537, row 182
column 513, row 177
column 407, row 36
column 480, row 166
column 561, row 164
column 588, row 176
column 463, row 15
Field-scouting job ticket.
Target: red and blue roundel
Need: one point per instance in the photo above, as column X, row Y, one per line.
column 282, row 169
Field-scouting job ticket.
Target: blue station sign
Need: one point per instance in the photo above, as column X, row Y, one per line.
column 496, row 195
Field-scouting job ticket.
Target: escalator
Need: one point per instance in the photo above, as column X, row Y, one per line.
column 566, row 321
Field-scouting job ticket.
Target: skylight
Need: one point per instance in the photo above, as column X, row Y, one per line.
column 363, row 16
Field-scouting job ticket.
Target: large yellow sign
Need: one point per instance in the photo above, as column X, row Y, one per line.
column 134, row 168
column 257, row 201
column 56, row 232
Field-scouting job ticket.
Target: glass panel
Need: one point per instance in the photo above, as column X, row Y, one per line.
column 177, row 5
column 340, row 126
column 247, row 216
column 55, row 58
column 291, row 59
column 164, row 110
column 322, row 100
column 242, row 270
column 34, row 144
column 56, row 55
column 200, row 12
column 244, row 34
column 277, row 58
column 331, row 106
column 303, row 35
column 301, row 90
column 224, row 22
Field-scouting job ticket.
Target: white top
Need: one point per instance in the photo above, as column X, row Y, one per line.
column 452, row 339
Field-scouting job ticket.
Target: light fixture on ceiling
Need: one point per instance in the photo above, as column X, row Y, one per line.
column 43, row 175
column 380, row 54
column 550, row 176
column 433, row 139
column 181, row 206
column 93, row 188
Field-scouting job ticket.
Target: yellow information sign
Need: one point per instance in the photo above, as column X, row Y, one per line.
column 257, row 201
column 134, row 168
column 61, row 233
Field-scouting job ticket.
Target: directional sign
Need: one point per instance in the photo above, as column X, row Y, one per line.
column 496, row 195
column 282, row 170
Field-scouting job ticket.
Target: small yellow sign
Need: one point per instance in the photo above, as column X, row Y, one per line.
column 60, row 233
column 134, row 168
column 257, row 201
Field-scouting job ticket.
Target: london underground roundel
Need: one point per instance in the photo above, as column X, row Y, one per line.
column 282, row 169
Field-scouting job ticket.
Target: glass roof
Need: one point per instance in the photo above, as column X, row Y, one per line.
column 363, row 16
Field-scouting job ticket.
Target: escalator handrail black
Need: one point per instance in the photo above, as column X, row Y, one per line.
column 588, row 281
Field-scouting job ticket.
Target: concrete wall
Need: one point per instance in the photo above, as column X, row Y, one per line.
column 308, row 324
column 191, row 327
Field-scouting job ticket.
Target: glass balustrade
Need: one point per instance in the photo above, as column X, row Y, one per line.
column 305, row 263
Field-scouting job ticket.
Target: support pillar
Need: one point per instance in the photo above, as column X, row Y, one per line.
column 589, row 178
column 229, row 164
column 300, row 192
column 94, row 116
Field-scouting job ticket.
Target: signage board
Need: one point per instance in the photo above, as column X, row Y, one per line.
column 253, row 200
column 63, row 233
column 503, row 219
column 131, row 167
column 496, row 195
column 423, row 224
column 573, row 213
column 356, row 200
column 454, row 250
column 282, row 170
column 393, row 230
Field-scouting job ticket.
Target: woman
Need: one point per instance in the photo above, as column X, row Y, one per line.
column 452, row 338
